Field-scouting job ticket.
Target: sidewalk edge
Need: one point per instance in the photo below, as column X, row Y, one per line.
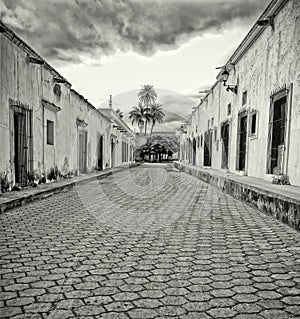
column 280, row 206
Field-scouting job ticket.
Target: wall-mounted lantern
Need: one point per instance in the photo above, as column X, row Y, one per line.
column 205, row 91
column 229, row 87
column 81, row 123
column 59, row 80
column 34, row 60
column 269, row 22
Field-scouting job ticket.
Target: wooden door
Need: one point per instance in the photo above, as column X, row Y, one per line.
column 21, row 148
column 112, row 153
column 225, row 144
column 242, row 143
column 194, row 151
column 100, row 154
column 82, row 151
column 207, row 147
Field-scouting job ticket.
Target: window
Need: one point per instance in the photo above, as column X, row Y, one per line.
column 216, row 133
column 253, row 124
column 57, row 90
column 198, row 141
column 208, row 124
column 244, row 99
column 229, row 109
column 50, row 132
column 277, row 133
column 201, row 140
column 212, row 121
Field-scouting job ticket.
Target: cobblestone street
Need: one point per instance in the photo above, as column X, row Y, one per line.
column 149, row 242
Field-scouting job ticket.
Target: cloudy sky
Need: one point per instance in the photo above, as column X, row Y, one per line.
column 108, row 47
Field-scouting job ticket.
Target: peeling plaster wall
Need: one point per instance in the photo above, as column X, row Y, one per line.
column 20, row 82
column 271, row 63
column 4, row 105
column 97, row 126
column 31, row 84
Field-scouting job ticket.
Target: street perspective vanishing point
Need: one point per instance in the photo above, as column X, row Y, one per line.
column 150, row 159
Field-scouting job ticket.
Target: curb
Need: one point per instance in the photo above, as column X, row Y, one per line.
column 276, row 205
column 56, row 189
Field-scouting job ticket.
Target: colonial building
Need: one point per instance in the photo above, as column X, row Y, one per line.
column 47, row 129
column 249, row 121
column 122, row 139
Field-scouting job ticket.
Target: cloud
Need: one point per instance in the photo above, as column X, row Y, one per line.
column 69, row 30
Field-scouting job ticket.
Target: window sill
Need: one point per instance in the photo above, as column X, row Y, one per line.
column 253, row 137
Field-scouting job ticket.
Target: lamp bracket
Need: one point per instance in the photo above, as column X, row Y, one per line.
column 59, row 80
column 232, row 88
column 269, row 21
column 33, row 60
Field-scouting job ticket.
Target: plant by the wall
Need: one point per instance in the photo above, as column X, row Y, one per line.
column 281, row 179
column 4, row 183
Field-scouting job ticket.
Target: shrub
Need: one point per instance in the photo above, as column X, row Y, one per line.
column 281, row 179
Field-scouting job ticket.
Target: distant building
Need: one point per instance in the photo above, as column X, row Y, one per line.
column 47, row 129
column 122, row 139
column 250, row 124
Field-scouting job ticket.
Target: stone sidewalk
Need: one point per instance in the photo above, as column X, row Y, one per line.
column 28, row 194
column 280, row 201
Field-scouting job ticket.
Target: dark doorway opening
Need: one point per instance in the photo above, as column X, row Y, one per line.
column 22, row 119
column 113, row 145
column 207, row 147
column 100, row 154
column 277, row 129
column 225, row 145
column 242, row 142
column 194, row 151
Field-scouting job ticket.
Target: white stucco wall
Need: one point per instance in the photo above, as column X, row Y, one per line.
column 271, row 63
column 31, row 84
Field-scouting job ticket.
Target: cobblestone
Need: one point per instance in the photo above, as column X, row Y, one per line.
column 149, row 242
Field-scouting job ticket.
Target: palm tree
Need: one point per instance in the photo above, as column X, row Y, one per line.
column 139, row 116
column 147, row 96
column 157, row 115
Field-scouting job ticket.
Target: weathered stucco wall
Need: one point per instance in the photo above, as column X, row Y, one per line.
column 270, row 64
column 34, row 87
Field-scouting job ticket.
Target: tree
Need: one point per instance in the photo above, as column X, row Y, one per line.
column 119, row 113
column 147, row 96
column 139, row 115
column 157, row 115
